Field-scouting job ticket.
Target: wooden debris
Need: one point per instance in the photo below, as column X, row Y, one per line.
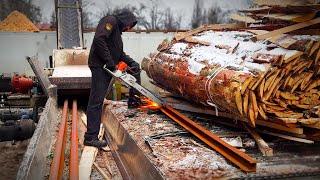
column 193, row 40
column 289, row 137
column 286, row 29
column 263, row 146
column 245, row 19
column 88, row 155
column 101, row 171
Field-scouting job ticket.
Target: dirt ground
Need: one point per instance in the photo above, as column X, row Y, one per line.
column 11, row 156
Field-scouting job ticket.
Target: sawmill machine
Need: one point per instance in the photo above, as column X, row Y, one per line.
column 20, row 98
column 69, row 61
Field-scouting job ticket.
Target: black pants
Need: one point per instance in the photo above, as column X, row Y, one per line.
column 99, row 85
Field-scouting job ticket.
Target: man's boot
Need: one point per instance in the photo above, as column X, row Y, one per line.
column 134, row 99
column 95, row 143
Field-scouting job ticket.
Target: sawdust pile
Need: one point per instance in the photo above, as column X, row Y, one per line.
column 17, row 22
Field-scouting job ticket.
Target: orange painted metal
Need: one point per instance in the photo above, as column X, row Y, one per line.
column 74, row 156
column 56, row 169
column 237, row 157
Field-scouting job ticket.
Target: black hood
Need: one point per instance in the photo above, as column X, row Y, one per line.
column 126, row 18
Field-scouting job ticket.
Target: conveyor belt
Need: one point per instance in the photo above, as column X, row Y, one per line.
column 69, row 30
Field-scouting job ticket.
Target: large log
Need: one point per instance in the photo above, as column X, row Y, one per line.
column 250, row 80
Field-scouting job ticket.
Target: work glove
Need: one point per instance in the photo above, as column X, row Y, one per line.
column 111, row 68
column 135, row 68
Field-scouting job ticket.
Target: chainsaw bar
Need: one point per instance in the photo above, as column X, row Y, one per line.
column 131, row 81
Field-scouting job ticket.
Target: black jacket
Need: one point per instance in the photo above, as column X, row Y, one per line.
column 107, row 46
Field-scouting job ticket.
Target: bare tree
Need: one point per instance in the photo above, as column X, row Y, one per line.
column 85, row 15
column 155, row 17
column 53, row 20
column 213, row 15
column 142, row 21
column 197, row 15
column 32, row 11
column 170, row 22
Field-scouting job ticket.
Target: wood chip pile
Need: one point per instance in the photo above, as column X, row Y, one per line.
column 272, row 82
column 270, row 15
column 17, row 22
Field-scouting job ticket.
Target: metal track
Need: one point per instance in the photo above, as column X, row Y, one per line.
column 56, row 169
column 74, row 155
column 69, row 30
column 57, row 166
column 237, row 157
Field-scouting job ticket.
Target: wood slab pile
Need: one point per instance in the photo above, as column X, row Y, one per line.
column 272, row 83
column 270, row 15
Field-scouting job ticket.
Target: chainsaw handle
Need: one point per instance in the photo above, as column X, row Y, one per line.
column 122, row 66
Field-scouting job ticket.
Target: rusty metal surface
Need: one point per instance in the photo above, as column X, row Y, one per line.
column 131, row 161
column 71, row 82
column 41, row 75
column 240, row 159
column 56, row 169
column 74, row 150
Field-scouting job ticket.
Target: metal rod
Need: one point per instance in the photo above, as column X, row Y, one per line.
column 74, row 156
column 240, row 159
column 56, row 169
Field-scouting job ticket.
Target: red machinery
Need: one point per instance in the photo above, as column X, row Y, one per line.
column 16, row 84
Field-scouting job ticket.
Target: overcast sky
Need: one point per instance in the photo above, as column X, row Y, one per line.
column 179, row 7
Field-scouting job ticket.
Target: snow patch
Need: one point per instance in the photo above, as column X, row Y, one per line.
column 307, row 37
column 195, row 67
column 178, row 48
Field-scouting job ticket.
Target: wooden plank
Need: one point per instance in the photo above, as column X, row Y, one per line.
column 279, row 127
column 288, row 137
column 101, row 171
column 282, row 3
column 289, row 17
column 256, row 9
column 286, row 29
column 88, row 155
column 190, row 39
column 257, row 32
column 182, row 35
column 245, row 19
column 263, row 146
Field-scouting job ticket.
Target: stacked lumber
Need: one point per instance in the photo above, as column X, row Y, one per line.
column 270, row 15
column 272, row 83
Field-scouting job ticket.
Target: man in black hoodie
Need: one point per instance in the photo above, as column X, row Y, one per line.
column 107, row 49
